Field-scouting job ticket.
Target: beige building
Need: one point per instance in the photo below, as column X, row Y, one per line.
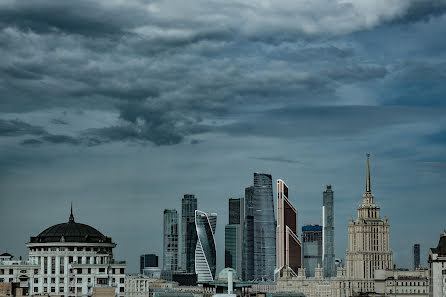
column 400, row 283
column 437, row 269
column 368, row 240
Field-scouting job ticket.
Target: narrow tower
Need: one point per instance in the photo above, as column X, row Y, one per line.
column 328, row 257
column 170, row 243
column 188, row 232
column 205, row 251
column 234, row 235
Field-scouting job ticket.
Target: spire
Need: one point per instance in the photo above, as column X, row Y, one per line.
column 367, row 185
column 71, row 213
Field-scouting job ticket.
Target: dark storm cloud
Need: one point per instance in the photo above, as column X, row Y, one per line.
column 422, row 10
column 19, row 128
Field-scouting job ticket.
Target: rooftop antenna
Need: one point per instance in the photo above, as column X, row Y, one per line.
column 71, row 213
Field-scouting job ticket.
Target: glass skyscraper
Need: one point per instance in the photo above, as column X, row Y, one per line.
column 248, row 236
column 205, row 251
column 416, row 256
column 170, row 242
column 264, row 228
column 311, row 248
column 188, row 232
column 328, row 257
column 234, row 234
column 147, row 260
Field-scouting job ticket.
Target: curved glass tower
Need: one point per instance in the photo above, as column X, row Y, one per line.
column 205, row 251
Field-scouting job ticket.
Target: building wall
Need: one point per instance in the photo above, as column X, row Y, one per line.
column 399, row 283
column 311, row 248
column 205, row 252
column 170, row 242
column 264, row 228
column 328, row 256
column 188, row 233
column 248, row 236
column 234, row 235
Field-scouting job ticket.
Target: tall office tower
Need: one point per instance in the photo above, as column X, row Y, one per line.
column 288, row 245
column 437, row 268
column 248, row 236
column 205, row 251
column 416, row 256
column 147, row 261
column 368, row 240
column 234, row 234
column 170, row 243
column 311, row 248
column 188, row 232
column 264, row 228
column 328, row 257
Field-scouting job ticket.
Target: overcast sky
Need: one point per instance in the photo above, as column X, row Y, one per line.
column 124, row 106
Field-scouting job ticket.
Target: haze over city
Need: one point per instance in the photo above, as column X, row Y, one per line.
column 122, row 107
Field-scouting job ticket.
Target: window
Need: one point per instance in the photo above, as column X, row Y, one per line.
column 61, row 289
column 101, row 269
column 121, row 280
column 121, row 289
column 122, row 270
column 36, row 271
column 11, row 271
column 36, row 280
column 53, row 289
column 36, row 289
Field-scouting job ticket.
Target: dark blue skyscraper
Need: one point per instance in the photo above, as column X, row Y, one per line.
column 248, row 236
column 188, row 232
column 147, row 260
column 234, row 234
column 328, row 257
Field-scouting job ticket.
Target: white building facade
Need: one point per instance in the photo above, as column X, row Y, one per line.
column 437, row 269
column 401, row 283
column 68, row 259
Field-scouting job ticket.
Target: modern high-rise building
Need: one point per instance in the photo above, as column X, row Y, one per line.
column 205, row 251
column 437, row 268
column 248, row 236
column 416, row 256
column 264, row 228
column 188, row 232
column 170, row 242
column 234, row 234
column 288, row 245
column 311, row 248
column 368, row 241
column 147, row 261
column 328, row 256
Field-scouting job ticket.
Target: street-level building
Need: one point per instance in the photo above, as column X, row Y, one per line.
column 68, row 259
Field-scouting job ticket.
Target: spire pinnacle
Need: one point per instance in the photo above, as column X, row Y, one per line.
column 367, row 185
column 71, row 213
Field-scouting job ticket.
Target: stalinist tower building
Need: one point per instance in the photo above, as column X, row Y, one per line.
column 368, row 240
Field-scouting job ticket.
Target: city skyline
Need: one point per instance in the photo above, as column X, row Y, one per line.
column 220, row 249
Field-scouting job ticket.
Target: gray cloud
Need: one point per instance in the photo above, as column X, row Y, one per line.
column 19, row 128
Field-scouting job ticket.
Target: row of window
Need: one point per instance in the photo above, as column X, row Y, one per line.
column 410, row 283
column 71, row 249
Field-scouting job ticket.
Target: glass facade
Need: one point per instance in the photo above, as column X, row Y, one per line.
column 170, row 242
column 264, row 228
column 248, row 236
column 188, row 232
column 311, row 248
column 205, row 252
column 328, row 257
column 147, row 260
column 234, row 235
column 416, row 256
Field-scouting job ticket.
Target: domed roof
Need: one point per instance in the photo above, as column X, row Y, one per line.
column 223, row 275
column 70, row 232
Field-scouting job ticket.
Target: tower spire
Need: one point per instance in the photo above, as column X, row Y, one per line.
column 71, row 213
column 367, row 185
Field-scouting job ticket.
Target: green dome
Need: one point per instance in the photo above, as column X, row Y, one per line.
column 223, row 275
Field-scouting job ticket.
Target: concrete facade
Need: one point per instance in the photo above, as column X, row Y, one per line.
column 400, row 283
column 437, row 269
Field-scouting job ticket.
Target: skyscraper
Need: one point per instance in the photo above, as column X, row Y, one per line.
column 328, row 257
column 248, row 236
column 147, row 260
column 288, row 245
column 205, row 251
column 188, row 232
column 264, row 228
column 234, row 234
column 416, row 256
column 311, row 248
column 170, row 242
column 368, row 240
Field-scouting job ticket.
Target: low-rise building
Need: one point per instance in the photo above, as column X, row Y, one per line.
column 400, row 283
